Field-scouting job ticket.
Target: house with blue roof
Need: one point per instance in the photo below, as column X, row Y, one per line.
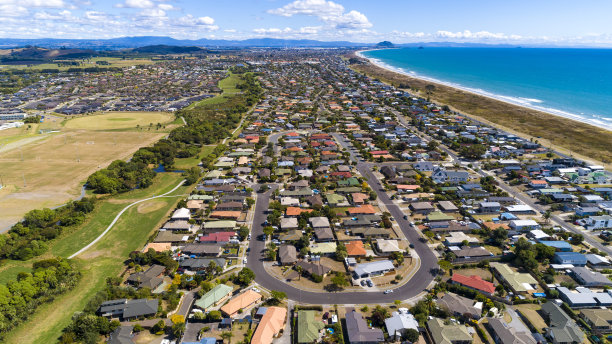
column 574, row 258
column 561, row 246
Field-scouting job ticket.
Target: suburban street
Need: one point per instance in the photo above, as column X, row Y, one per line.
column 419, row 282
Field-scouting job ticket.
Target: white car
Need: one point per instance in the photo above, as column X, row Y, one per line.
column 244, row 261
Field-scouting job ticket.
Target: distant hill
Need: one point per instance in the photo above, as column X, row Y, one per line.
column 50, row 54
column 167, row 49
column 385, row 44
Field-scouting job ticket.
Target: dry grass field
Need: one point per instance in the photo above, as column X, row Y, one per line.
column 48, row 170
column 119, row 120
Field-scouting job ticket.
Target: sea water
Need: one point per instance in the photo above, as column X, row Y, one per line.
column 573, row 83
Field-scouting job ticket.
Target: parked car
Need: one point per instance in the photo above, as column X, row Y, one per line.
column 370, row 284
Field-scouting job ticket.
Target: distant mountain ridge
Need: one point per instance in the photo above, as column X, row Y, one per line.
column 142, row 41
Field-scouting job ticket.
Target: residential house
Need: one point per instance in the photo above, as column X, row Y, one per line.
column 313, row 269
column 270, row 325
column 574, row 258
column 125, row 309
column 459, row 306
column 588, row 278
column 372, row 269
column 151, row 278
column 452, row 333
column 504, row 333
column 358, row 330
column 242, row 302
column 562, row 329
column 600, row 320
column 474, row 282
column 308, row 327
column 519, row 283
column 214, row 297
column 287, row 254
column 399, row 323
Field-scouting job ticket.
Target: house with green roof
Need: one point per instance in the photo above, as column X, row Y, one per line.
column 227, row 224
column 452, row 333
column 348, row 190
column 519, row 283
column 205, row 198
column 348, row 182
column 214, row 297
column 335, row 199
column 308, row 327
column 439, row 216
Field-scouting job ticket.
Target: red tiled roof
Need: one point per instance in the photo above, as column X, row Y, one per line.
column 295, row 211
column 474, row 282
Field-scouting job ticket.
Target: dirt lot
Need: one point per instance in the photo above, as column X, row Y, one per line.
column 49, row 172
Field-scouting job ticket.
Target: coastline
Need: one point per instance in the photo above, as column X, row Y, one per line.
column 566, row 135
column 517, row 101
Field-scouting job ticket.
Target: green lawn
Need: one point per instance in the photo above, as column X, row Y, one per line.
column 185, row 163
column 104, row 259
column 228, row 85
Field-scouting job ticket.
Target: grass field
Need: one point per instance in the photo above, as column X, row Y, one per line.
column 228, row 85
column 48, row 170
column 104, row 259
column 119, row 120
column 570, row 137
column 113, row 62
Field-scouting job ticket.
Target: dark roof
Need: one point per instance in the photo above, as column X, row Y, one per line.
column 149, row 278
column 121, row 335
column 358, row 330
column 287, row 254
column 312, row 268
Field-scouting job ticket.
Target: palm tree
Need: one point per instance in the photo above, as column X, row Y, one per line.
column 228, row 336
column 547, row 214
column 429, row 302
column 299, row 270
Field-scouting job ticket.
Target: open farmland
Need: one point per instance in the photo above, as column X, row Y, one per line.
column 119, row 120
column 48, row 172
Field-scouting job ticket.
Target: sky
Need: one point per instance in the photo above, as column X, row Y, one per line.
column 559, row 22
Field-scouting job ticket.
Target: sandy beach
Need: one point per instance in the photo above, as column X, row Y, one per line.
column 567, row 133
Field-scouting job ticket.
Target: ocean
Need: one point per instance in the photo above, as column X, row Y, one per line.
column 573, row 83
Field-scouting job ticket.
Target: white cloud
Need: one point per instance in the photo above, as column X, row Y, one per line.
column 327, row 11
column 152, row 12
column 205, row 23
column 95, row 16
column 12, row 10
column 63, row 15
column 230, row 30
column 38, row 3
column 136, row 4
column 166, row 7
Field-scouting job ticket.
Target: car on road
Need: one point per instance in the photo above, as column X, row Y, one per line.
column 388, row 291
column 405, row 217
column 249, row 237
column 370, row 284
column 248, row 249
column 244, row 261
column 411, row 245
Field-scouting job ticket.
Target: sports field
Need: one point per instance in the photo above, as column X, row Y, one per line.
column 119, row 120
column 47, row 170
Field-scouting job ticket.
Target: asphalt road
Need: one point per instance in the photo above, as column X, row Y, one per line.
column 419, row 282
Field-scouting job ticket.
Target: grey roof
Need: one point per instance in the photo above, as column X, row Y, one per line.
column 358, row 330
column 373, row 267
column 149, row 278
column 198, row 249
column 121, row 335
column 129, row 308
column 199, row 263
column 399, row 322
column 324, row 233
column 287, row 254
column 587, row 277
column 562, row 327
column 312, row 268
column 319, row 222
column 508, row 334
column 459, row 305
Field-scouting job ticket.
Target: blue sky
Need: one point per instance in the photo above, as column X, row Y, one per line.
column 559, row 22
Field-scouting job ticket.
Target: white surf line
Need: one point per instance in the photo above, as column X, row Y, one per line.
column 119, row 215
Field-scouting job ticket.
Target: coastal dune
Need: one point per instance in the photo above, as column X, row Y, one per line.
column 568, row 136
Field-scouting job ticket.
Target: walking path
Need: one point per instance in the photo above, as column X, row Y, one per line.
column 119, row 215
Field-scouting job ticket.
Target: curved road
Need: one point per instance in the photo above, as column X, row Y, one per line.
column 418, row 283
column 119, row 215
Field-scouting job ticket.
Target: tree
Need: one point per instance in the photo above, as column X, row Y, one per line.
column 397, row 303
column 339, row 280
column 341, row 252
column 547, row 214
column 268, row 231
column 411, row 335
column 178, row 329
column 379, row 314
column 576, row 239
column 277, row 297
column 214, row 316
column 227, row 335
column 245, row 277
column 475, row 151
column 159, row 327
column 499, row 236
